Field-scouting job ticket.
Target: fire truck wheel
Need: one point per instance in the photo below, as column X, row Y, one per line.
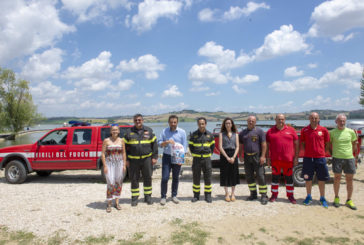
column 15, row 172
column 44, row 173
column 297, row 179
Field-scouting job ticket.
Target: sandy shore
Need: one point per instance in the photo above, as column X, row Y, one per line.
column 73, row 203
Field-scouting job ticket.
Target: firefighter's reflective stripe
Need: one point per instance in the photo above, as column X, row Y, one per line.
column 134, row 142
column 147, row 190
column 196, row 188
column 208, row 188
column 263, row 189
column 252, row 186
column 135, row 192
column 201, row 156
column 140, row 157
column 208, row 144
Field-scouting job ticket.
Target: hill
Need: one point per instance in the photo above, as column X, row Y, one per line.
column 192, row 115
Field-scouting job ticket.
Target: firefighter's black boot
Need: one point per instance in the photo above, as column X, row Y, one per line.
column 148, row 199
column 264, row 199
column 134, row 201
column 253, row 196
column 196, row 197
column 208, row 198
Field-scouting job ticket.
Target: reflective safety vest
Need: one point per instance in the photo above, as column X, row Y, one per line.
column 141, row 144
column 201, row 144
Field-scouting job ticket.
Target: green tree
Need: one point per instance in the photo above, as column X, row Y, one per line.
column 362, row 89
column 16, row 103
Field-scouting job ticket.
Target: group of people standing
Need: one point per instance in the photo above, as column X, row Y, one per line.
column 278, row 148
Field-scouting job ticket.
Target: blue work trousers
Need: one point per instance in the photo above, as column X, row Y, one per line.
column 167, row 166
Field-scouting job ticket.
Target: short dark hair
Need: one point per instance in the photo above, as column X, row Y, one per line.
column 172, row 116
column 201, row 118
column 137, row 115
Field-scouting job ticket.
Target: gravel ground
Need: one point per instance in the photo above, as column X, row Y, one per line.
column 74, row 202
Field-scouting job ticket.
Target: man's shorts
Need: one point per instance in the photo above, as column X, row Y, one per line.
column 312, row 165
column 347, row 165
column 279, row 167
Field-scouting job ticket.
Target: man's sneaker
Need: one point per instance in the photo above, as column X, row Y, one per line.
column 175, row 200
column 350, row 204
column 163, row 201
column 324, row 202
column 264, row 199
column 337, row 202
column 273, row 198
column 292, row 200
column 308, row 200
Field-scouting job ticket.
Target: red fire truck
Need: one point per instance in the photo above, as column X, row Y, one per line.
column 66, row 148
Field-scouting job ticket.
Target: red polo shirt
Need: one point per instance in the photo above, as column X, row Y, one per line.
column 314, row 140
column 281, row 143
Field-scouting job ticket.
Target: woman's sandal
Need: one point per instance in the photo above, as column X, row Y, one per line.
column 118, row 207
column 227, row 198
column 233, row 198
column 108, row 209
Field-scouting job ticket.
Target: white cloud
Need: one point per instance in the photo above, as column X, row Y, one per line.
column 237, row 12
column 207, row 73
column 317, row 102
column 224, row 58
column 95, row 74
column 172, row 92
column 246, row 79
column 347, row 75
column 150, row 11
column 150, row 95
column 238, row 90
column 213, row 94
column 94, row 9
column 207, row 15
column 342, row 38
column 292, row 72
column 199, row 88
column 169, row 107
column 312, row 65
column 125, row 84
column 335, row 17
column 281, row 42
column 146, row 63
column 27, row 26
column 41, row 66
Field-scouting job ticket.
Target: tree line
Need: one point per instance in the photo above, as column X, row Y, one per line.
column 17, row 109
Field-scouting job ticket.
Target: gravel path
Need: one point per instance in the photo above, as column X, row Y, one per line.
column 74, row 202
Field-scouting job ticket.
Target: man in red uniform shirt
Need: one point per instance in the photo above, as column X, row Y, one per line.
column 315, row 141
column 283, row 147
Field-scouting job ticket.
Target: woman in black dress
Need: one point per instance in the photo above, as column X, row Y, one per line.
column 229, row 148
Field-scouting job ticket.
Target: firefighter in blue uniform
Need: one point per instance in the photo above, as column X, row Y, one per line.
column 201, row 144
column 142, row 153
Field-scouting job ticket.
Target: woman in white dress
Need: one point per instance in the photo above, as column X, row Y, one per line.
column 113, row 157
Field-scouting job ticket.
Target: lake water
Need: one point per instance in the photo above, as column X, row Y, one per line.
column 157, row 128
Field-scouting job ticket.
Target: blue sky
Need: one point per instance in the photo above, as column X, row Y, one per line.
column 119, row 57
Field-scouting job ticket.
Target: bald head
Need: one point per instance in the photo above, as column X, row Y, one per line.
column 280, row 121
column 251, row 121
column 314, row 120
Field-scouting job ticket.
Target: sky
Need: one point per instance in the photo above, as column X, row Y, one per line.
column 101, row 58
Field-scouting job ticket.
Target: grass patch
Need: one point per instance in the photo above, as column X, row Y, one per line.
column 190, row 233
column 337, row 240
column 290, row 239
column 263, row 230
column 247, row 237
column 57, row 239
column 177, row 221
column 137, row 240
column 360, row 216
column 306, row 241
column 103, row 239
column 221, row 240
column 261, row 243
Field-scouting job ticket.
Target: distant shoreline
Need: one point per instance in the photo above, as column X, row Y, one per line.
column 191, row 116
